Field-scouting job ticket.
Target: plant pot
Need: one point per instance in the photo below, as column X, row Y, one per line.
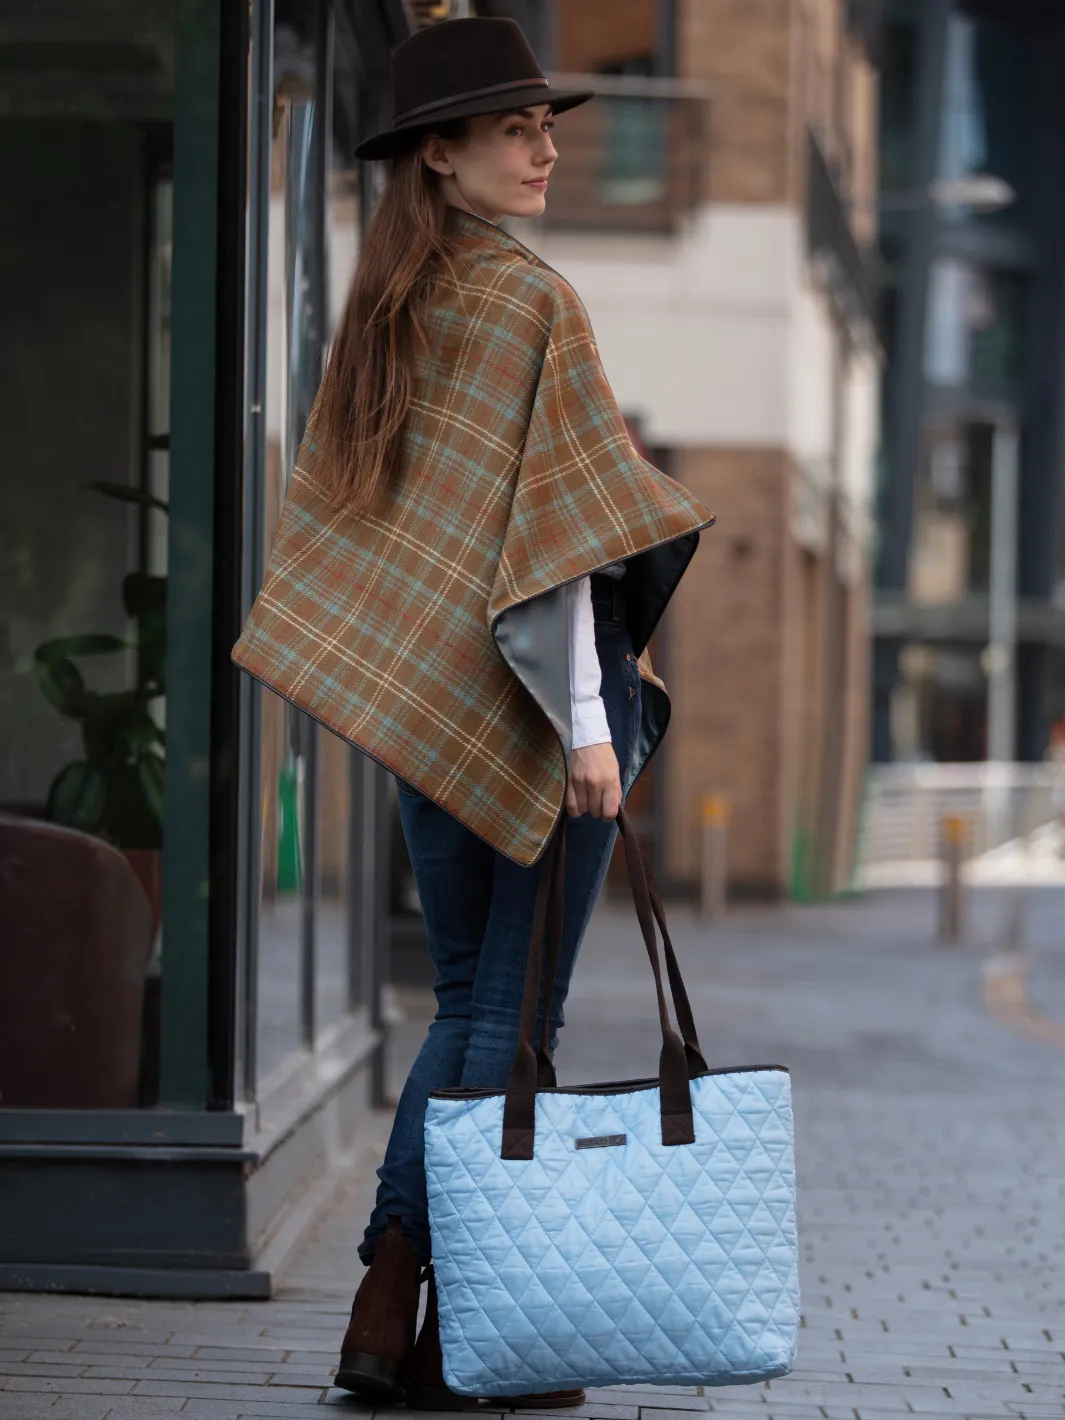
column 147, row 863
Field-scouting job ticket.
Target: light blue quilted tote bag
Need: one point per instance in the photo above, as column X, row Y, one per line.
column 640, row 1232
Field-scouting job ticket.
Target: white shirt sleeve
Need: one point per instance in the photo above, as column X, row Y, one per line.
column 586, row 678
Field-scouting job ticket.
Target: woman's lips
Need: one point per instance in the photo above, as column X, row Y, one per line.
column 539, row 183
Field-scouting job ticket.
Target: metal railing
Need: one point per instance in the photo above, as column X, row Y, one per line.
column 830, row 238
column 905, row 805
column 635, row 160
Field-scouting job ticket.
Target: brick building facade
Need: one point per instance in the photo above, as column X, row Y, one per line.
column 739, row 340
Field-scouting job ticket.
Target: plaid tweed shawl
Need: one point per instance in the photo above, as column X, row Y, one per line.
column 431, row 634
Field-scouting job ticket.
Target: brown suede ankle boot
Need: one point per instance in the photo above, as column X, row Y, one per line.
column 423, row 1376
column 384, row 1319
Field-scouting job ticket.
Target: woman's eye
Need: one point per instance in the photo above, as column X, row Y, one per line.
column 516, row 130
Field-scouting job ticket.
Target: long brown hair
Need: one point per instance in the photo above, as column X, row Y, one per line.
column 369, row 380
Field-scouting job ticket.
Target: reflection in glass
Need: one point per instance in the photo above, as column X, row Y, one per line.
column 331, row 908
column 83, row 553
column 285, row 785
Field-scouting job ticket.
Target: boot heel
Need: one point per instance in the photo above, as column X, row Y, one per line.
column 371, row 1377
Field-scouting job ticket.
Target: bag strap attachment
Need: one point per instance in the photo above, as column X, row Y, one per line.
column 681, row 1056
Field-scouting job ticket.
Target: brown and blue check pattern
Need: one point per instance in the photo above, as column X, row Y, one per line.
column 518, row 476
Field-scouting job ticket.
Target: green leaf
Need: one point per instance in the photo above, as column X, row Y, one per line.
column 150, row 770
column 77, row 797
column 125, row 493
column 92, row 643
column 61, row 683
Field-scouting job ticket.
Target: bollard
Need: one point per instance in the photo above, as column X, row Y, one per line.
column 955, row 833
column 714, row 818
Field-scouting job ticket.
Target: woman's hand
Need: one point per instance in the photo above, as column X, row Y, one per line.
column 594, row 782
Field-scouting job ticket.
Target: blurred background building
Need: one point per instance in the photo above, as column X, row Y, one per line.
column 969, row 652
column 714, row 209
column 820, row 243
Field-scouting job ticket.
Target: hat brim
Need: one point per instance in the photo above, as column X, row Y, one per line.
column 396, row 140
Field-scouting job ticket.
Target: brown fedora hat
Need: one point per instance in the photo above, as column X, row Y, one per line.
column 459, row 69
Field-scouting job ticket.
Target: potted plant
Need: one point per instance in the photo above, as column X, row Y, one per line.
column 115, row 790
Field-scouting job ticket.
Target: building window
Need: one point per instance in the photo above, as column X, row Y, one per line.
column 310, row 970
column 898, row 77
column 939, row 705
column 102, row 374
column 951, row 547
column 985, row 124
column 974, row 337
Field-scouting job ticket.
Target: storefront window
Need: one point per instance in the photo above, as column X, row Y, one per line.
column 102, row 182
column 336, row 985
column 309, row 973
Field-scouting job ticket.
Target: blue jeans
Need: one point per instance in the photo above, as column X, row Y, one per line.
column 478, row 908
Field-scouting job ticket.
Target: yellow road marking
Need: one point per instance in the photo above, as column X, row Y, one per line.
column 1006, row 1000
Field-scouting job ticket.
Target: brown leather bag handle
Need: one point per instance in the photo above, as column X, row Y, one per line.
column 681, row 1005
column 527, row 1072
column 678, row 1060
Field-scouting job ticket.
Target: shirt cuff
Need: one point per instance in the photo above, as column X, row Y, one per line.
column 590, row 724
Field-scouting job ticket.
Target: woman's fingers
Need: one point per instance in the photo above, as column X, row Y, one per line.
column 572, row 803
column 595, row 782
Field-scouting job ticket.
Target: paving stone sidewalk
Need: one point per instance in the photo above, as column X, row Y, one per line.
column 932, row 1191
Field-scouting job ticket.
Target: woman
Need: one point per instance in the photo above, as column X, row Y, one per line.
column 469, row 564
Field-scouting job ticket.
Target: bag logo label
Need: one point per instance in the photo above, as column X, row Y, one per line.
column 604, row 1141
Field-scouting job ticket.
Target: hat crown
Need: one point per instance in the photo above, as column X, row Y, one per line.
column 457, row 59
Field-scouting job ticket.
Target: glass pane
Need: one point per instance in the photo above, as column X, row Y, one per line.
column 279, row 1015
column 974, row 336
column 331, row 909
column 939, row 706
column 303, row 934
column 950, row 553
column 86, row 146
column 338, row 979
column 986, row 117
column 286, row 787
column 898, row 76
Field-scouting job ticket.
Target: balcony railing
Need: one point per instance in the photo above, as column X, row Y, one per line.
column 830, row 239
column 635, row 160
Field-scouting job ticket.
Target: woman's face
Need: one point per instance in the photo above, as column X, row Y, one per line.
column 501, row 167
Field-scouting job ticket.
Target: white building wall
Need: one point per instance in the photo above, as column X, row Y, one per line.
column 812, row 355
column 711, row 337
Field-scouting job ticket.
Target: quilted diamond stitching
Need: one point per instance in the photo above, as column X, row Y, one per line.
column 638, row 1265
